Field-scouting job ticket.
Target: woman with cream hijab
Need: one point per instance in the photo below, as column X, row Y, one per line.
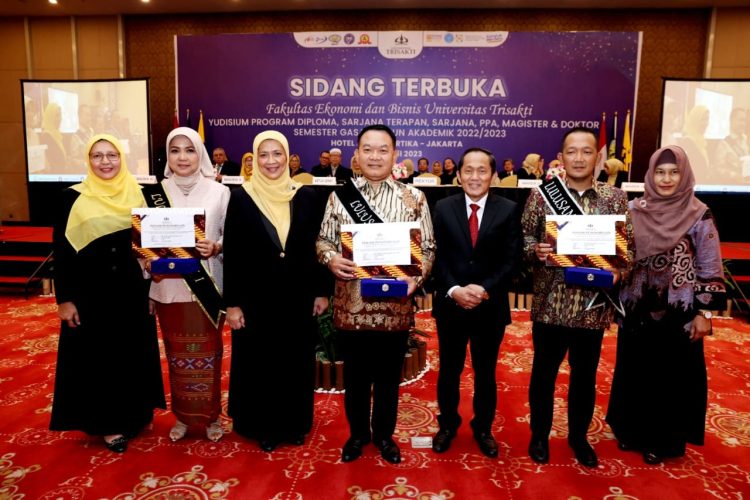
column 192, row 342
column 108, row 374
column 273, row 289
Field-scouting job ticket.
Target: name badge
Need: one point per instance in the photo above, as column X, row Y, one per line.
column 232, row 179
column 324, row 181
column 633, row 187
column 145, row 179
column 425, row 181
column 529, row 183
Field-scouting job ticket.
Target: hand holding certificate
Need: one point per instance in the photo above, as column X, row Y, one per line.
column 169, row 235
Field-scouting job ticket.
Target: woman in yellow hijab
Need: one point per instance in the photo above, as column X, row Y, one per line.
column 247, row 166
column 269, row 256
column 108, row 376
column 55, row 157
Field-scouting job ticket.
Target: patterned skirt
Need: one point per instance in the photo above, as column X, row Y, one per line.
column 194, row 351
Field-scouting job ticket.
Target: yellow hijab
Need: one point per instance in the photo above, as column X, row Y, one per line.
column 273, row 196
column 104, row 205
column 51, row 123
column 242, row 165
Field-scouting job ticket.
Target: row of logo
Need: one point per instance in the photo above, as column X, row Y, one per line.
column 402, row 39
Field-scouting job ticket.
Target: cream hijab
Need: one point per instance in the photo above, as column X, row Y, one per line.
column 104, row 205
column 273, row 196
column 205, row 167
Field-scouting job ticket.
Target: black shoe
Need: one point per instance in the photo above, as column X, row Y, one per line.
column 539, row 450
column 268, row 445
column 117, row 445
column 584, row 453
column 651, row 458
column 389, row 451
column 352, row 449
column 487, row 444
column 442, row 440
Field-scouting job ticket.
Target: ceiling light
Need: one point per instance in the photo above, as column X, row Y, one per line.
column 53, row 2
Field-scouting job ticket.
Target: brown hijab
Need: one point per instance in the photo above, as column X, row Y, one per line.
column 660, row 221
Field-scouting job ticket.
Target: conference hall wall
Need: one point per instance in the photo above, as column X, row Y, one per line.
column 674, row 44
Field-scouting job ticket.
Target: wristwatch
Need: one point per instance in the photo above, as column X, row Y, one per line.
column 706, row 314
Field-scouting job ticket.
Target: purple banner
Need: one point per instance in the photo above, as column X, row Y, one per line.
column 513, row 93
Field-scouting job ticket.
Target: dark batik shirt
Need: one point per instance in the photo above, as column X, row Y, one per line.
column 555, row 302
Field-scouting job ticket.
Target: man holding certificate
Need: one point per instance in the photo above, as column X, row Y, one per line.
column 373, row 315
column 478, row 244
column 570, row 316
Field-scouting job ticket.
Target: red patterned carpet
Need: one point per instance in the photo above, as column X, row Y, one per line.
column 36, row 463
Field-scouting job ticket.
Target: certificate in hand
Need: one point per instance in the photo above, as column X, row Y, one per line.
column 587, row 241
column 386, row 249
column 168, row 232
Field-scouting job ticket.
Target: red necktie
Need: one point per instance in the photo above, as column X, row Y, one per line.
column 474, row 224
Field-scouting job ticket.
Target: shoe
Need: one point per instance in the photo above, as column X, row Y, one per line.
column 352, row 449
column 214, row 431
column 442, row 440
column 268, row 445
column 117, row 445
column 487, row 444
column 178, row 431
column 584, row 453
column 651, row 458
column 389, row 451
column 539, row 450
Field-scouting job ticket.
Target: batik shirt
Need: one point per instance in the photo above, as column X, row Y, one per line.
column 555, row 302
column 392, row 202
column 674, row 285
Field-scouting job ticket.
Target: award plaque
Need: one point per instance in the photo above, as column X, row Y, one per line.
column 169, row 236
column 383, row 250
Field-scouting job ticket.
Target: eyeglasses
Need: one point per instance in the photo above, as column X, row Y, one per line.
column 97, row 157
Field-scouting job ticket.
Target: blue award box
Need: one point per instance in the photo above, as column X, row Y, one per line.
column 383, row 287
column 167, row 265
column 588, row 276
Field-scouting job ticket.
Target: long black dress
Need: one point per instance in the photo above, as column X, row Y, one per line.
column 272, row 373
column 108, row 377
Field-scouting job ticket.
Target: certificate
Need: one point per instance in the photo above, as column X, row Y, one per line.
column 383, row 249
column 384, row 244
column 587, row 240
column 168, row 227
column 586, row 234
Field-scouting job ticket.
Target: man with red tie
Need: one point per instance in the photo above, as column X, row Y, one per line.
column 478, row 240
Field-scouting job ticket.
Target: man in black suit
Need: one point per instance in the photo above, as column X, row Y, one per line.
column 223, row 165
column 323, row 168
column 477, row 235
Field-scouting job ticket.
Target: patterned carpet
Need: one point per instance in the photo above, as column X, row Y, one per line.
column 36, row 463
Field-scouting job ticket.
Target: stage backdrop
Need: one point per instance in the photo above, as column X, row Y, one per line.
column 442, row 92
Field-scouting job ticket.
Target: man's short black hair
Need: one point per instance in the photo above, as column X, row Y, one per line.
column 576, row 130
column 493, row 162
column 425, row 159
column 324, row 151
column 381, row 128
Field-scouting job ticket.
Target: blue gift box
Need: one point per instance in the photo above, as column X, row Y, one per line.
column 588, row 276
column 167, row 265
column 383, row 287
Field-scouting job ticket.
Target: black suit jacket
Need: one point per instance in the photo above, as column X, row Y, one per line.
column 230, row 168
column 491, row 263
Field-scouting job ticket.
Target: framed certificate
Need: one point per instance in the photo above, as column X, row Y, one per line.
column 168, row 232
column 390, row 249
column 597, row 241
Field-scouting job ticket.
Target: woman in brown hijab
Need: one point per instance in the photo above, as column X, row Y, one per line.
column 659, row 390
